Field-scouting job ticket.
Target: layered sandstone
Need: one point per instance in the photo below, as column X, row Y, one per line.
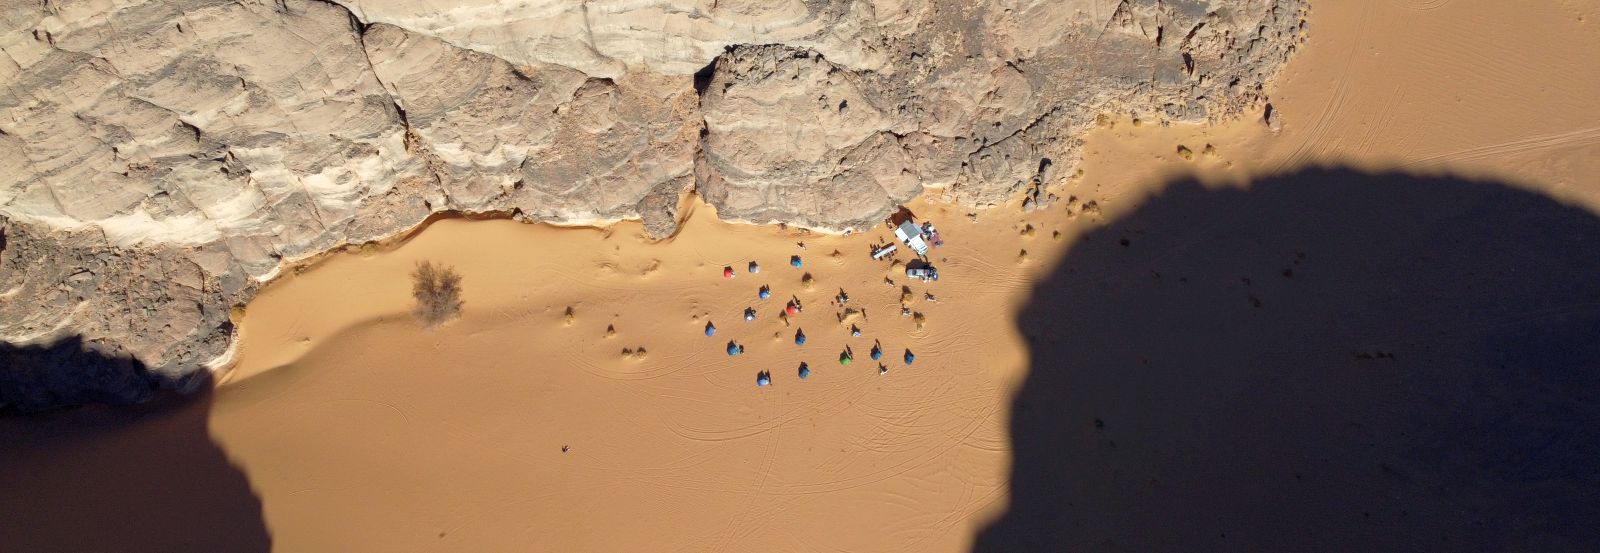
column 160, row 159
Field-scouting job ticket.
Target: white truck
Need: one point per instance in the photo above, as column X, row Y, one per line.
column 911, row 234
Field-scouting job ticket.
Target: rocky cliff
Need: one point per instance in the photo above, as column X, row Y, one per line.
column 161, row 158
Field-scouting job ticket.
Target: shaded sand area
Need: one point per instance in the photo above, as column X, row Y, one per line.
column 1233, row 354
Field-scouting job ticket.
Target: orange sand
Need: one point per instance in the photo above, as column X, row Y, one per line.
column 342, row 404
column 361, row 432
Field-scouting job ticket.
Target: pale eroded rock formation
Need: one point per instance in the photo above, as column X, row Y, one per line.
column 161, row 158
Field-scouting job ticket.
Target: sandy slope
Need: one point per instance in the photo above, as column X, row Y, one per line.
column 360, row 432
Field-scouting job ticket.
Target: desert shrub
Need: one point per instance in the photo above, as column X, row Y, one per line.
column 437, row 289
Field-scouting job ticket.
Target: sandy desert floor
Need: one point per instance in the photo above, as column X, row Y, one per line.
column 356, row 430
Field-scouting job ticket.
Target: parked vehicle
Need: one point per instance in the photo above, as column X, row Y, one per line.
column 909, row 233
column 925, row 273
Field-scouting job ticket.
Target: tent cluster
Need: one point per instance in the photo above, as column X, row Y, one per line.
column 793, row 308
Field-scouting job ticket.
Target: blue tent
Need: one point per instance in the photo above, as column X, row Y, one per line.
column 799, row 338
column 762, row 379
column 734, row 349
column 877, row 353
column 764, row 293
column 794, row 261
column 804, row 371
column 711, row 329
column 910, row 357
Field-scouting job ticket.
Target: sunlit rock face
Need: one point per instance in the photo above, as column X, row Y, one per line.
column 221, row 139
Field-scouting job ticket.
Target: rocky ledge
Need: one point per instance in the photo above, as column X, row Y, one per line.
column 159, row 159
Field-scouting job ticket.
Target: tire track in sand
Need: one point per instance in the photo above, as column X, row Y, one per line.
column 1578, row 137
column 1424, row 5
column 1332, row 107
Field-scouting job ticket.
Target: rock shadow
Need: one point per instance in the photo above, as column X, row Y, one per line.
column 1329, row 361
column 128, row 478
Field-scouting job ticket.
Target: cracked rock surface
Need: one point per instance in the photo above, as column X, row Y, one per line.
column 159, row 159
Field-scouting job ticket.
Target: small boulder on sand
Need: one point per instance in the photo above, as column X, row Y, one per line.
column 1185, row 153
column 1271, row 118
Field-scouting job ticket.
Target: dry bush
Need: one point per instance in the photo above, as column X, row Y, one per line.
column 437, row 289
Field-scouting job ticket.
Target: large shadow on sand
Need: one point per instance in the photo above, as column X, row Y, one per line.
column 1329, row 361
column 142, row 478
